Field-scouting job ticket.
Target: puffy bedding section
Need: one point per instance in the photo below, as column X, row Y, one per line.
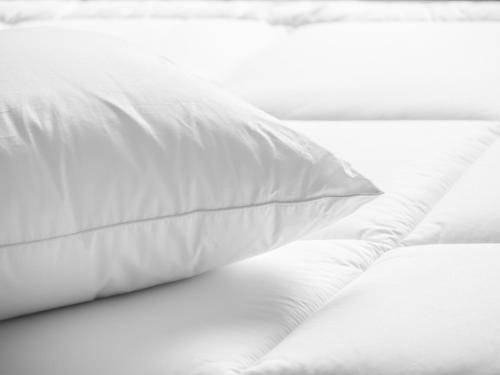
column 418, row 165
column 216, row 47
column 290, row 13
column 416, row 311
column 470, row 211
column 218, row 323
column 376, row 71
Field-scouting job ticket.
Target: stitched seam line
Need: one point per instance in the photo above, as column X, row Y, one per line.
column 326, row 302
column 401, row 242
column 184, row 214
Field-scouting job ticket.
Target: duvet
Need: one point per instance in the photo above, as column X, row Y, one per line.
column 408, row 284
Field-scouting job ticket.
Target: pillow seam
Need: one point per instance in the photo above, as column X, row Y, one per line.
column 184, row 214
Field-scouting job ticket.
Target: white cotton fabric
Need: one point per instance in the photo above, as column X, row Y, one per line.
column 416, row 311
column 217, row 323
column 387, row 70
column 418, row 165
column 290, row 13
column 239, row 319
column 313, row 60
column 216, row 47
column 120, row 172
column 407, row 284
column 470, row 212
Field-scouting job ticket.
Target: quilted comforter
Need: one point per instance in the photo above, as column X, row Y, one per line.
column 409, row 92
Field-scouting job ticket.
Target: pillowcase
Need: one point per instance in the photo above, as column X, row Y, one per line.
column 120, row 172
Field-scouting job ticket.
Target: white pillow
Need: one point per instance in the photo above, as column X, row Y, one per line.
column 120, row 172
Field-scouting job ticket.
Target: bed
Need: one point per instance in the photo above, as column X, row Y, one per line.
column 408, row 92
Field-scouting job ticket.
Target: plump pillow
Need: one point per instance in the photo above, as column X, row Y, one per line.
column 119, row 172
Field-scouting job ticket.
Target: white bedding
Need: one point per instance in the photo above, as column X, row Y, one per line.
column 122, row 172
column 240, row 317
column 406, row 285
column 417, row 164
column 217, row 323
column 416, row 311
